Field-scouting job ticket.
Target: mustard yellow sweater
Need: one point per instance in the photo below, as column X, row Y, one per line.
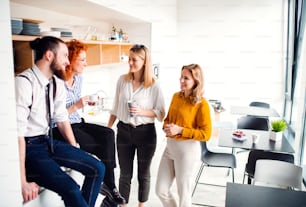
column 194, row 118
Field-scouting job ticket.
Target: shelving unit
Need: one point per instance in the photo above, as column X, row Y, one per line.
column 98, row 52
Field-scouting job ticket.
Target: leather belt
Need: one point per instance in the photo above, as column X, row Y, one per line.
column 29, row 139
column 133, row 126
column 136, row 126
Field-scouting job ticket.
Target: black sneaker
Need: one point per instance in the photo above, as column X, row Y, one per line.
column 108, row 203
column 114, row 194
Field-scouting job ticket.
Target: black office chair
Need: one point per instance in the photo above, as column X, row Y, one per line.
column 253, row 122
column 259, row 123
column 260, row 155
column 214, row 159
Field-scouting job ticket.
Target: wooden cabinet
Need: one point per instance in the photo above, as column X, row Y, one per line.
column 23, row 56
column 98, row 52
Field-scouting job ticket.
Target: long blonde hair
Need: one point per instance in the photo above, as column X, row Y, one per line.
column 148, row 77
column 197, row 74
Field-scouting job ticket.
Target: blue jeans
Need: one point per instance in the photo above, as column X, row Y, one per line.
column 44, row 168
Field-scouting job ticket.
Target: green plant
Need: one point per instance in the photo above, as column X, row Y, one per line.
column 278, row 125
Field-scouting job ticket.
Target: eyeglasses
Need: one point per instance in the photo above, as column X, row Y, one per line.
column 137, row 47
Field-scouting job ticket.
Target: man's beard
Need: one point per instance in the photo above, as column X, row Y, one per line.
column 56, row 70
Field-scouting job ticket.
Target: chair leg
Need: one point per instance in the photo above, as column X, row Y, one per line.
column 197, row 178
column 243, row 178
column 233, row 176
column 249, row 180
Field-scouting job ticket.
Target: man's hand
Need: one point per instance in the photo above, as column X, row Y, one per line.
column 29, row 191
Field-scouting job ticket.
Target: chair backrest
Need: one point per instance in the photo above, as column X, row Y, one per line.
column 204, row 149
column 260, row 104
column 255, row 155
column 277, row 173
column 253, row 122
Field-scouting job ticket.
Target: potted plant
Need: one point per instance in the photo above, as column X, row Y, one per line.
column 277, row 128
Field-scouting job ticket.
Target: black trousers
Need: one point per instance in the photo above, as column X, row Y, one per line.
column 142, row 141
column 99, row 141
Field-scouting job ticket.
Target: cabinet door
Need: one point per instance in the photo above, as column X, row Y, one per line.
column 93, row 54
column 110, row 53
column 23, row 56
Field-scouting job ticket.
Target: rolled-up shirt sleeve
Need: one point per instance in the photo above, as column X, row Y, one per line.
column 159, row 106
column 115, row 107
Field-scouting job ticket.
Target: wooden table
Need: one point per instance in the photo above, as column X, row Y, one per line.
column 254, row 110
column 242, row 195
column 264, row 143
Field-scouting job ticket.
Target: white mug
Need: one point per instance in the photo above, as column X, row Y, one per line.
column 93, row 99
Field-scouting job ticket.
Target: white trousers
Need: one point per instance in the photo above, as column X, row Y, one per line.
column 177, row 162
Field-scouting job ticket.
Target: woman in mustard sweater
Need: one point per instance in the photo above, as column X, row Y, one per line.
column 188, row 121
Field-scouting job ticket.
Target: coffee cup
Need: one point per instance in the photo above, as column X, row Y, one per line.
column 93, row 100
column 131, row 103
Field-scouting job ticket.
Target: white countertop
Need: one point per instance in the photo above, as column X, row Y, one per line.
column 99, row 117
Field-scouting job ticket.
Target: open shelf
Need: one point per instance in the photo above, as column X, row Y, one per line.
column 98, row 52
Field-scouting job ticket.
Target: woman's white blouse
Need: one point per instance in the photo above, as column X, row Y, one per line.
column 147, row 98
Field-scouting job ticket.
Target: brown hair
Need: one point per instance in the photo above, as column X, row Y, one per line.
column 197, row 74
column 42, row 45
column 74, row 48
column 148, row 77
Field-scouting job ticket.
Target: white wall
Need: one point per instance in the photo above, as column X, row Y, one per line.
column 10, row 190
column 239, row 44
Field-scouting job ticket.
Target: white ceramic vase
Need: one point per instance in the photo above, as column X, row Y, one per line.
column 276, row 136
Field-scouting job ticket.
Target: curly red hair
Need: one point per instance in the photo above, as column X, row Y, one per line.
column 74, row 48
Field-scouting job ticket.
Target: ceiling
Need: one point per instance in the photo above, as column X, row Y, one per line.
column 81, row 8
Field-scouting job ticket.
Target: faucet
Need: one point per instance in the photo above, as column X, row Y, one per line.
column 101, row 96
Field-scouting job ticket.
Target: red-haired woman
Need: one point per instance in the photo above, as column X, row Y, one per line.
column 95, row 139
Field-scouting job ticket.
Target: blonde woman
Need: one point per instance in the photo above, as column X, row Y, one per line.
column 188, row 121
column 136, row 132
